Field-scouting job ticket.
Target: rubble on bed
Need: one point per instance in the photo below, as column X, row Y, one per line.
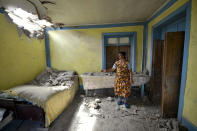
column 54, row 77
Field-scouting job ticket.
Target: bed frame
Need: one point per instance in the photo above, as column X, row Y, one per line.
column 23, row 110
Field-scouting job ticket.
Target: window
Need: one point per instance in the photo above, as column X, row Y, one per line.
column 118, row 40
column 112, row 41
column 124, row 40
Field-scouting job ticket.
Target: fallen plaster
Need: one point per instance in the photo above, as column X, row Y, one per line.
column 29, row 15
column 143, row 112
column 82, row 115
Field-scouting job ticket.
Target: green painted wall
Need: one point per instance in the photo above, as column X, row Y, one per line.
column 190, row 98
column 21, row 58
column 81, row 49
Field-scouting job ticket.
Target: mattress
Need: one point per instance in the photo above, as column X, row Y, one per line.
column 52, row 99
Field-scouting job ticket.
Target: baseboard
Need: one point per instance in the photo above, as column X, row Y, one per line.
column 188, row 124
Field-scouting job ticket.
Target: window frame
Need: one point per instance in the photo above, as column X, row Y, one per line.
column 132, row 43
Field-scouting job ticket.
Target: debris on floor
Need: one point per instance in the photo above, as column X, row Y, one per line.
column 109, row 99
column 93, row 104
column 144, row 113
column 96, row 106
column 97, row 100
column 82, row 116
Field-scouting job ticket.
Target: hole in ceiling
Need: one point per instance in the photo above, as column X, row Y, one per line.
column 31, row 24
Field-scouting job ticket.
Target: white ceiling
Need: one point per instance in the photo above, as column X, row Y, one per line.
column 77, row 12
column 88, row 12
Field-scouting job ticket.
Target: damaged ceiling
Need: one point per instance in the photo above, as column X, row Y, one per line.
column 29, row 15
column 32, row 16
column 95, row 12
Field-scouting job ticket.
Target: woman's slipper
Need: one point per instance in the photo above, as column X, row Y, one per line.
column 120, row 102
column 127, row 105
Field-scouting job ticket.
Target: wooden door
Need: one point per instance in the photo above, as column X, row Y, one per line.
column 125, row 49
column 112, row 54
column 172, row 68
column 156, row 79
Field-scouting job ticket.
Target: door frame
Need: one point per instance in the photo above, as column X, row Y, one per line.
column 186, row 8
column 132, row 43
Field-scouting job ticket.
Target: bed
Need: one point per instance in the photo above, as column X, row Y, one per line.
column 50, row 91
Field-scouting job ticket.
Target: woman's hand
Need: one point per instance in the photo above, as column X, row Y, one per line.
column 103, row 70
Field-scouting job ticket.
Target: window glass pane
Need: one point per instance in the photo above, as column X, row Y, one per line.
column 124, row 40
column 112, row 40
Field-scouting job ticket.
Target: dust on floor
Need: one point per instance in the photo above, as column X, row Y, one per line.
column 103, row 114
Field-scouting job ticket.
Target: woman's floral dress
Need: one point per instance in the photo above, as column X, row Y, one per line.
column 122, row 81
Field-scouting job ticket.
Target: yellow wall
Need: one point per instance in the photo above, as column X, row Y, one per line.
column 190, row 99
column 81, row 49
column 21, row 58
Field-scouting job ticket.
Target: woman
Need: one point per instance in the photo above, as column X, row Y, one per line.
column 123, row 79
